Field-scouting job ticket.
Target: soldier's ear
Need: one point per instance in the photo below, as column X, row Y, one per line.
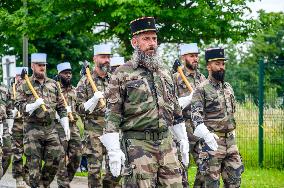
column 134, row 42
column 208, row 66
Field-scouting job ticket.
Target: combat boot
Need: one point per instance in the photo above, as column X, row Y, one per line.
column 20, row 183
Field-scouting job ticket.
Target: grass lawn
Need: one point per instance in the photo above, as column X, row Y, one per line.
column 251, row 178
column 254, row 178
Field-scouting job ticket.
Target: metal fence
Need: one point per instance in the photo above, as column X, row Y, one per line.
column 260, row 127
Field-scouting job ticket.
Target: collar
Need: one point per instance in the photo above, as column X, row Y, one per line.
column 214, row 82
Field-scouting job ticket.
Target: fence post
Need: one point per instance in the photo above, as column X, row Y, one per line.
column 260, row 111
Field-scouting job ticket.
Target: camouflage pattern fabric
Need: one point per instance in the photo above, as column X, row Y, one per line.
column 94, row 125
column 153, row 164
column 140, row 100
column 70, row 163
column 143, row 103
column 213, row 104
column 5, row 112
column 194, row 79
column 18, row 169
column 41, row 141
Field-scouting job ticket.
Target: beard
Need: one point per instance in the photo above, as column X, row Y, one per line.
column 219, row 75
column 65, row 82
column 39, row 75
column 104, row 67
column 150, row 61
column 191, row 66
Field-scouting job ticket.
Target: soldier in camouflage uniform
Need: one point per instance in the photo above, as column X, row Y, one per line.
column 3, row 116
column 189, row 55
column 8, row 123
column 18, row 170
column 41, row 141
column 93, row 112
column 142, row 105
column 70, row 163
column 213, row 108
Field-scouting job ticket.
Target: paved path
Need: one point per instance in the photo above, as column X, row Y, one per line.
column 8, row 181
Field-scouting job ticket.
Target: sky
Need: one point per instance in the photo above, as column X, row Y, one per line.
column 267, row 5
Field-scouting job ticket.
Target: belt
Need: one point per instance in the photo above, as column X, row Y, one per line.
column 146, row 135
column 226, row 135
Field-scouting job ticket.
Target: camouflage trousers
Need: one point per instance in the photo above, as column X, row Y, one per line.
column 152, row 164
column 226, row 161
column 18, row 150
column 6, row 149
column 95, row 151
column 41, row 142
column 73, row 151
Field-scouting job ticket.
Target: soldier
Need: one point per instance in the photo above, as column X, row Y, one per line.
column 18, row 170
column 41, row 141
column 213, row 108
column 94, row 114
column 70, row 163
column 3, row 116
column 189, row 55
column 142, row 105
column 116, row 62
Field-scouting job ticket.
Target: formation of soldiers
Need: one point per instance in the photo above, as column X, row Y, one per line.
column 138, row 116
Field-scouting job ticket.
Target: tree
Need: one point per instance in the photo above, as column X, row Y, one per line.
column 52, row 24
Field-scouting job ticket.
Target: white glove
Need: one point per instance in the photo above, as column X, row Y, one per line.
column 10, row 123
column 30, row 108
column 201, row 131
column 92, row 102
column 116, row 156
column 179, row 132
column 1, row 133
column 68, row 108
column 185, row 101
column 14, row 112
column 65, row 124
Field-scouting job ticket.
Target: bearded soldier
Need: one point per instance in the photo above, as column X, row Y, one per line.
column 41, row 141
column 70, row 163
column 142, row 105
column 189, row 55
column 213, row 108
column 93, row 112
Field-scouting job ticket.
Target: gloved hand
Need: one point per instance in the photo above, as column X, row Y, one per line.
column 179, row 132
column 65, row 124
column 92, row 102
column 116, row 156
column 201, row 131
column 10, row 123
column 30, row 108
column 185, row 101
column 1, row 133
column 68, row 108
column 14, row 112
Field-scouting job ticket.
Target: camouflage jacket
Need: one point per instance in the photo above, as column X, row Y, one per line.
column 50, row 94
column 214, row 105
column 94, row 120
column 70, row 96
column 140, row 100
column 194, row 79
column 3, row 102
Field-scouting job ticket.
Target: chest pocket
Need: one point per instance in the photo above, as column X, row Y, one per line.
column 230, row 101
column 137, row 91
column 212, row 102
